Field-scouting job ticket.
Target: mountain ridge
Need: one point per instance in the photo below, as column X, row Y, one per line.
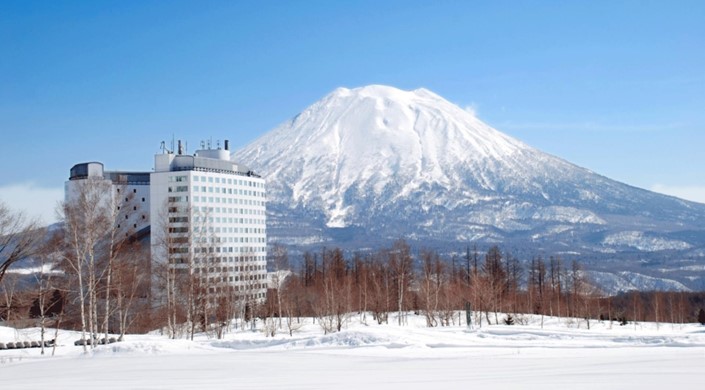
column 375, row 163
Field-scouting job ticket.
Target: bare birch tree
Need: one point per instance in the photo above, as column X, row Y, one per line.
column 46, row 299
column 86, row 221
column 8, row 290
column 401, row 266
column 20, row 237
column 280, row 261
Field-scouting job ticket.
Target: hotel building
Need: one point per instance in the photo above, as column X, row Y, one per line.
column 204, row 214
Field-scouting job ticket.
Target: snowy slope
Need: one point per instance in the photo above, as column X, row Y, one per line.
column 561, row 354
column 367, row 165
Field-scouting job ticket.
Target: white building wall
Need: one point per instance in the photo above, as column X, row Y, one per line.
column 133, row 201
column 128, row 203
column 226, row 222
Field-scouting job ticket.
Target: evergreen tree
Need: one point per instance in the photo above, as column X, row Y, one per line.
column 701, row 316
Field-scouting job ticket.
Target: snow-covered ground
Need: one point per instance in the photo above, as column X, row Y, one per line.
column 564, row 354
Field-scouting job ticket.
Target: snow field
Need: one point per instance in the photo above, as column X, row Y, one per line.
column 564, row 354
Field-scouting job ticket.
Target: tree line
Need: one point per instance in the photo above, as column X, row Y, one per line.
column 495, row 286
column 97, row 276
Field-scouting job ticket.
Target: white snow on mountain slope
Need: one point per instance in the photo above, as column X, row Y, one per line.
column 616, row 282
column 369, row 140
column 372, row 137
column 644, row 242
column 568, row 214
column 365, row 166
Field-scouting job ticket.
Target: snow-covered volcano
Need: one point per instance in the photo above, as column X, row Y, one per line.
column 367, row 165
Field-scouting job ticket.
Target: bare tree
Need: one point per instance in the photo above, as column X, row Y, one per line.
column 361, row 281
column 401, row 266
column 114, row 244
column 515, row 273
column 537, row 287
column 292, row 291
column 336, row 292
column 432, row 284
column 224, row 301
column 8, row 288
column 46, row 299
column 131, row 283
column 20, row 237
column 281, row 265
column 200, row 266
column 86, row 216
column 580, row 293
column 176, row 245
column 380, row 289
column 555, row 275
column 496, row 277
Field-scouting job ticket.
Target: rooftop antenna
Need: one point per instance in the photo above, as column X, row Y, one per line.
column 165, row 149
column 218, row 143
column 172, row 143
column 203, row 144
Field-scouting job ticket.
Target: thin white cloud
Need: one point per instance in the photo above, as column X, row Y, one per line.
column 591, row 126
column 694, row 193
column 472, row 109
column 34, row 201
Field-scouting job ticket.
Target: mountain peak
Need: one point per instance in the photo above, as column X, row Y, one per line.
column 385, row 92
column 389, row 163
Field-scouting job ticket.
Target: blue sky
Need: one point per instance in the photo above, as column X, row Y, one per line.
column 616, row 87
